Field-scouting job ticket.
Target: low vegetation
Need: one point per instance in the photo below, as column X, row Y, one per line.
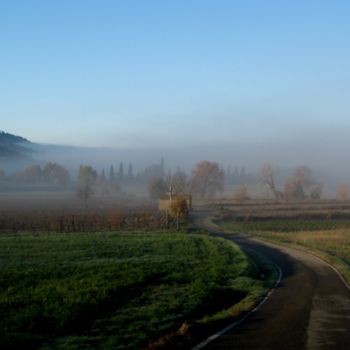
column 119, row 291
column 288, row 225
column 326, row 233
column 332, row 245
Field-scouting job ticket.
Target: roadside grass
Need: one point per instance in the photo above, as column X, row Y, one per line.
column 328, row 239
column 120, row 291
column 268, row 275
column 288, row 225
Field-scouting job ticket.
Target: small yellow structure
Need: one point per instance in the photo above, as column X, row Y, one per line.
column 164, row 202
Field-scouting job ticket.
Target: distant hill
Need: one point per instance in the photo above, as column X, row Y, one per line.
column 5, row 137
column 14, row 147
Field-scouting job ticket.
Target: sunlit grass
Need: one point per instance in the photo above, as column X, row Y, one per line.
column 286, row 225
column 330, row 239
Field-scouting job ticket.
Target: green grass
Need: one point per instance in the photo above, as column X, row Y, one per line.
column 286, row 225
column 118, row 291
column 329, row 239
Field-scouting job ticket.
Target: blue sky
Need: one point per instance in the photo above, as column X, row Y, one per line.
column 149, row 73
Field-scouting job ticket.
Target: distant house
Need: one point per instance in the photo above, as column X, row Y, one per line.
column 164, row 202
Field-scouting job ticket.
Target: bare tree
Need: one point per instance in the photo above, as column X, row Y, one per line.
column 178, row 182
column 86, row 180
column 84, row 192
column 267, row 177
column 316, row 191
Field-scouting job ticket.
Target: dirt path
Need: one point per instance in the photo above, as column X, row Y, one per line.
column 310, row 309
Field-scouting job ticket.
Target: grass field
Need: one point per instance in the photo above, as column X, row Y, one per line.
column 119, row 291
column 256, row 210
column 326, row 237
column 321, row 227
column 289, row 226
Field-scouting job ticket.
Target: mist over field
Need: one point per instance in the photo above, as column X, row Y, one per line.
column 325, row 153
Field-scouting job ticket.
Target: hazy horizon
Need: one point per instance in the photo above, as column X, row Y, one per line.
column 134, row 74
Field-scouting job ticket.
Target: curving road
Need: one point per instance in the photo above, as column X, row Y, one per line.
column 310, row 309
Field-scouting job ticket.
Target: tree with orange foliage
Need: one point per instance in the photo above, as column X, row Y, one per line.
column 32, row 174
column 293, row 189
column 303, row 185
column 343, row 192
column 179, row 209
column 207, row 179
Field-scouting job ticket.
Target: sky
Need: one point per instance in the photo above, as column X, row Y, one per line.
column 174, row 73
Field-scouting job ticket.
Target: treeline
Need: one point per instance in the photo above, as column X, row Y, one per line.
column 6, row 138
column 206, row 180
column 239, row 177
column 126, row 175
column 48, row 174
column 299, row 186
column 56, row 174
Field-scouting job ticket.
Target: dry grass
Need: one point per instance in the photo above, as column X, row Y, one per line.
column 321, row 227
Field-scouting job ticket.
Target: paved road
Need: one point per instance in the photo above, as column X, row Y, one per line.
column 310, row 309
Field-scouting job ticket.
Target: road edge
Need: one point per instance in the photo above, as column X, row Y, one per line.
column 304, row 250
column 234, row 324
column 218, row 334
